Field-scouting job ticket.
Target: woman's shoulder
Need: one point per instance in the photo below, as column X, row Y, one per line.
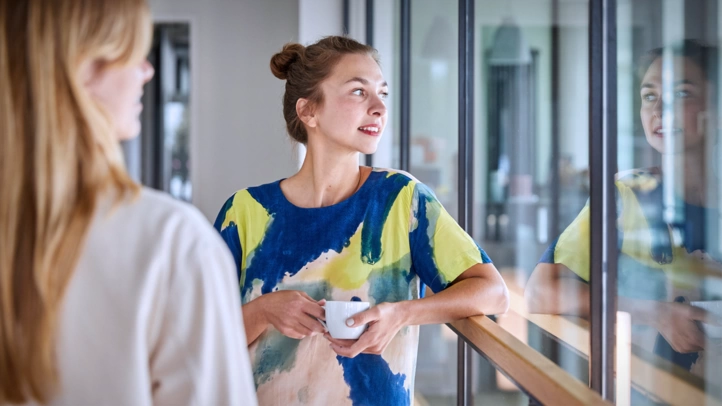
column 413, row 187
column 249, row 203
column 162, row 212
column 242, row 197
column 150, row 225
column 396, row 173
column 396, row 182
column 639, row 179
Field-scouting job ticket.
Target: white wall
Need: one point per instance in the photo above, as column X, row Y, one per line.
column 317, row 19
column 238, row 136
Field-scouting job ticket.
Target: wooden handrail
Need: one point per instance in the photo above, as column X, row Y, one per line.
column 658, row 383
column 536, row 374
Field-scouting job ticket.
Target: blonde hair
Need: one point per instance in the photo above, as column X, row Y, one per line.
column 58, row 153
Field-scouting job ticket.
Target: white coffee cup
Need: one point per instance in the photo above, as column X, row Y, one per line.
column 338, row 312
column 714, row 307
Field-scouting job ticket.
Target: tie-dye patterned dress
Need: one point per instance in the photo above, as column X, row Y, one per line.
column 650, row 265
column 380, row 245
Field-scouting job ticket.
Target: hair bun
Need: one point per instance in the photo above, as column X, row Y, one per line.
column 282, row 61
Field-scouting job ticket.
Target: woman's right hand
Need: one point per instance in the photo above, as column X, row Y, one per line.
column 293, row 313
column 677, row 322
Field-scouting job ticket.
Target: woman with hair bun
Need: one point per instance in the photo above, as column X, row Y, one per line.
column 343, row 232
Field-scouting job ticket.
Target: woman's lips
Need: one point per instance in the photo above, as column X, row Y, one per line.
column 660, row 132
column 370, row 130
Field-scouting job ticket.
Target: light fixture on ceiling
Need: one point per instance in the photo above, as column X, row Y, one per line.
column 509, row 46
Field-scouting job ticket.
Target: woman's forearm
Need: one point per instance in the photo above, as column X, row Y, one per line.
column 645, row 312
column 469, row 297
column 254, row 320
column 554, row 289
column 565, row 296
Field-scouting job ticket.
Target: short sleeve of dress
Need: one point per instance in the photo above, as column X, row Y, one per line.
column 440, row 249
column 572, row 247
column 227, row 225
column 634, row 236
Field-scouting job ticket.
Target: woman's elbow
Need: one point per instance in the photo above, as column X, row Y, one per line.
column 539, row 296
column 500, row 302
column 504, row 302
column 533, row 299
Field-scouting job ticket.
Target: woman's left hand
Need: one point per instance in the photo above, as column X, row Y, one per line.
column 384, row 321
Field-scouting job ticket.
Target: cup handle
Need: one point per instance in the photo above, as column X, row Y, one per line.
column 323, row 323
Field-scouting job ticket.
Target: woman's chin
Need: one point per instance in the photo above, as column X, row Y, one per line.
column 127, row 135
column 369, row 149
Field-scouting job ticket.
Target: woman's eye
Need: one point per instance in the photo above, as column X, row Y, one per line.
column 681, row 94
column 358, row 92
column 384, row 95
column 649, row 97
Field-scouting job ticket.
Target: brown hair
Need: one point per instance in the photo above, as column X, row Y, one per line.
column 304, row 68
column 58, row 153
column 703, row 55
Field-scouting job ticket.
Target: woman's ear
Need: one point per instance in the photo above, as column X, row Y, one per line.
column 87, row 72
column 305, row 112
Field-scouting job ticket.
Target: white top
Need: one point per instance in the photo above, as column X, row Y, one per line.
column 152, row 315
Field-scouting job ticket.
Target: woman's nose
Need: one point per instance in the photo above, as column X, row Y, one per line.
column 148, row 71
column 378, row 108
column 657, row 110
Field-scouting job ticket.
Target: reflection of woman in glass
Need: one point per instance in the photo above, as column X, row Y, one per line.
column 661, row 266
column 337, row 231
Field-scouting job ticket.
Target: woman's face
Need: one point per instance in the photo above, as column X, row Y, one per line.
column 353, row 113
column 119, row 90
column 689, row 98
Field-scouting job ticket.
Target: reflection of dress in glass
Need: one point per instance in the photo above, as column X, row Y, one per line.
column 652, row 264
column 662, row 264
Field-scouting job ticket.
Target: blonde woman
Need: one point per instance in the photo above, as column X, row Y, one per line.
column 109, row 293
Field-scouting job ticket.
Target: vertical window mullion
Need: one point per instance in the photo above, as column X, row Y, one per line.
column 465, row 170
column 602, row 168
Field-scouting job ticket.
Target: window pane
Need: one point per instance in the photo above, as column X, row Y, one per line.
column 668, row 186
column 434, row 97
column 434, row 148
column 491, row 387
column 531, row 175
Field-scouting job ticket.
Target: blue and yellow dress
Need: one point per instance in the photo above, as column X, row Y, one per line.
column 380, row 245
column 656, row 260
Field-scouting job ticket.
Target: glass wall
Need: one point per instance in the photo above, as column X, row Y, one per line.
column 531, row 157
column 432, row 159
column 531, row 171
column 434, row 97
column 668, row 185
column 532, row 174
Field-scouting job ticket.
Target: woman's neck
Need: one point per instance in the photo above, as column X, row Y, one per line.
column 694, row 177
column 324, row 179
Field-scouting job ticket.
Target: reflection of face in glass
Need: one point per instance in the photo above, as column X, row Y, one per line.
column 689, row 95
